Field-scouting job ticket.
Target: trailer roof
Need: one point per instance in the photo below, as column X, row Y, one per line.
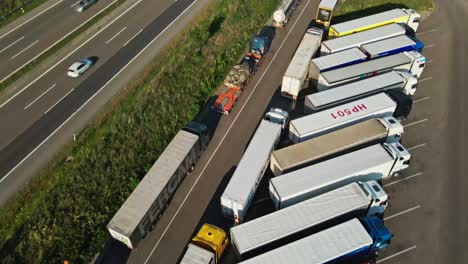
column 252, row 163
column 364, row 68
column 334, row 142
column 331, row 171
column 319, row 248
column 385, row 45
column 323, row 120
column 368, row 36
column 330, row 4
column 299, row 217
column 197, row 255
column 369, row 20
column 353, row 89
column 140, row 200
column 299, row 65
column 340, row 58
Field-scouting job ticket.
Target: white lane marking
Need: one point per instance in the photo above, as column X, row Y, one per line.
column 69, row 92
column 416, row 122
column 94, row 95
column 40, row 96
column 134, row 36
column 429, row 61
column 417, row 146
column 396, row 254
column 75, row 4
column 421, row 99
column 429, row 46
column 64, row 58
column 225, row 135
column 16, row 41
column 425, row 79
column 30, row 45
column 20, row 25
column 403, row 179
column 402, row 212
column 113, row 37
column 427, row 32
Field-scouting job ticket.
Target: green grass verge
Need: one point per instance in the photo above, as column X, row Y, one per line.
column 350, row 9
column 63, row 212
column 6, row 6
column 13, row 78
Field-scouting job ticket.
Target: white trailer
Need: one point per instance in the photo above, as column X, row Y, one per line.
column 311, row 216
column 282, row 13
column 240, row 190
column 335, row 61
column 408, row 17
column 198, row 255
column 296, row 73
column 411, row 61
column 339, row 95
column 372, row 163
column 335, row 143
column 379, row 105
column 361, row 38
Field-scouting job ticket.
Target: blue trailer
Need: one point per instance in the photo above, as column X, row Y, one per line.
column 392, row 46
column 350, row 242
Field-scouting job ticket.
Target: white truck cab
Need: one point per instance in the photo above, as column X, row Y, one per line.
column 418, row 62
column 401, row 156
column 377, row 195
column 278, row 116
column 394, row 127
column 414, row 18
column 411, row 84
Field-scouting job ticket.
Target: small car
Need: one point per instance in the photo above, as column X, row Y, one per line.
column 80, row 67
column 84, row 4
column 225, row 101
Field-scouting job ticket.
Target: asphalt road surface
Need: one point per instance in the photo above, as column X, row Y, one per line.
column 41, row 107
column 427, row 211
column 26, row 41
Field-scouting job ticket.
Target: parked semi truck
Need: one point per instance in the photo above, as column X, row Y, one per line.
column 282, row 13
column 240, row 190
column 335, row 143
column 379, row 105
column 411, row 61
column 206, row 247
column 372, row 163
column 325, row 12
column 354, row 241
column 392, row 46
column 408, row 17
column 296, row 73
column 361, row 38
column 394, row 80
column 141, row 211
column 310, row 216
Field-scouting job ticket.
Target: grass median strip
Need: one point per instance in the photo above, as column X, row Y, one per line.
column 13, row 78
column 9, row 6
column 63, row 212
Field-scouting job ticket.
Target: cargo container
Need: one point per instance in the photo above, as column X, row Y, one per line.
column 243, row 184
column 296, row 73
column 411, row 61
column 392, row 46
column 305, row 218
column 372, row 163
column 339, row 95
column 141, row 211
column 335, row 61
column 335, row 143
column 380, row 105
column 407, row 17
column 355, row 241
column 361, row 38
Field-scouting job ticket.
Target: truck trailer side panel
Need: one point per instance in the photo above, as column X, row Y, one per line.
column 392, row 46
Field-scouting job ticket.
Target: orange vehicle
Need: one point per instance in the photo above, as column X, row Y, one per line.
column 225, row 101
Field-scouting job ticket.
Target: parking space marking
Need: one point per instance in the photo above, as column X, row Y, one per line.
column 16, row 41
column 107, row 42
column 425, row 79
column 17, row 54
column 429, row 46
column 134, row 36
column 427, row 32
column 40, row 96
column 59, row 101
column 416, row 122
column 75, row 4
column 403, row 179
column 421, row 99
column 402, row 212
column 397, row 254
column 417, row 146
column 429, row 61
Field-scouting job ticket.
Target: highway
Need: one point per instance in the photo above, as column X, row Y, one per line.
column 23, row 41
column 35, row 112
column 427, row 210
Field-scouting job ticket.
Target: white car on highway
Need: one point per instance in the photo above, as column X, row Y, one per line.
column 78, row 68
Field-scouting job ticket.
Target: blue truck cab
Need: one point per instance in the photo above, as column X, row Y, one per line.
column 379, row 233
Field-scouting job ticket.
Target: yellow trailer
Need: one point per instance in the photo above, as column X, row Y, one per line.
column 403, row 16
